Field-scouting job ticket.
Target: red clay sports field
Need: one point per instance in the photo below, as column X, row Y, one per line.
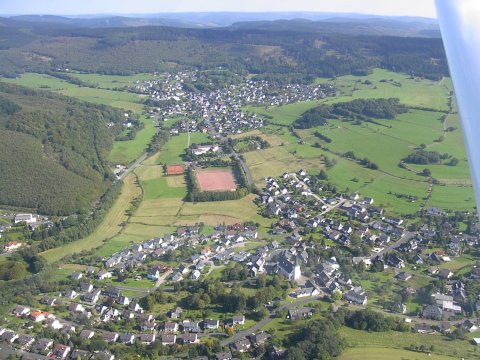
column 216, row 180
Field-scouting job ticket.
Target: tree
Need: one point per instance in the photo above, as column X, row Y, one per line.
column 229, row 330
column 426, row 172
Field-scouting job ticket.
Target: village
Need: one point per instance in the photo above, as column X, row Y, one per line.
column 221, row 111
column 322, row 247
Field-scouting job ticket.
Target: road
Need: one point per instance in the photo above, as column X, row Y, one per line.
column 133, row 166
column 254, row 329
column 305, row 187
column 248, row 174
column 143, row 291
column 402, row 240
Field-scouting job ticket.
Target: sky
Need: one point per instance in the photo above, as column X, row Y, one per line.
column 423, row 8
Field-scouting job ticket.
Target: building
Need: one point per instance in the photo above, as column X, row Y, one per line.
column 289, row 268
column 28, row 218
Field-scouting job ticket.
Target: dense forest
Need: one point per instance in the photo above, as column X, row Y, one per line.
column 273, row 53
column 54, row 150
column 359, row 110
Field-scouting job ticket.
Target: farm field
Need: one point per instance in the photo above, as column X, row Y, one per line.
column 359, row 340
column 385, row 143
column 111, row 81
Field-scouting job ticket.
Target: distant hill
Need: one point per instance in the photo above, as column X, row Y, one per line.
column 54, row 150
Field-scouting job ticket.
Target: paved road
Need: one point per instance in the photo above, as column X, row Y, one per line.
column 133, row 166
column 254, row 329
column 402, row 240
column 306, row 187
column 248, row 174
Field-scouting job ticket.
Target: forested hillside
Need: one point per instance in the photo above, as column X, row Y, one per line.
column 274, row 53
column 54, row 150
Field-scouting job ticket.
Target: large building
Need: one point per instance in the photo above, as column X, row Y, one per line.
column 289, row 268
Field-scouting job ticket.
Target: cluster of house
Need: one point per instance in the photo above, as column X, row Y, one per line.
column 220, row 111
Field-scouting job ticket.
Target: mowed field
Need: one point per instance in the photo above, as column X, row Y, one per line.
column 379, row 353
column 215, row 179
column 385, row 143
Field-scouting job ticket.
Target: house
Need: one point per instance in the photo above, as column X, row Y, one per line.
column 302, row 313
column 176, row 313
column 404, row 276
column 211, row 324
column 169, row 327
column 227, row 355
column 70, row 294
column 134, row 306
column 304, row 292
column 103, row 274
column 195, row 275
column 169, row 339
column 76, row 275
column 109, row 337
column 87, row 334
column 92, row 297
column 394, row 261
column 445, row 274
column 127, row 338
column 432, row 312
column 47, row 300
column 238, row 320
column 241, row 345
column 147, row 339
column 177, row 277
column 28, row 218
column 76, row 308
column 259, row 339
column 356, row 295
column 190, row 326
column 12, row 246
column 38, row 316
column 61, row 351
column 20, row 311
column 190, row 339
column 80, row 354
column 423, row 329
column 25, row 341
column 469, row 326
column 123, row 300
column 153, row 274
column 43, row 345
column 102, row 355
column 113, row 292
column 86, row 288
column 9, row 336
column 148, row 326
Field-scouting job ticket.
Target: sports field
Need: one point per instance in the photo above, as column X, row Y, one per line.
column 216, row 180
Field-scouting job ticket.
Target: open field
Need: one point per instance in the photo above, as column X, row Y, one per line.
column 112, row 81
column 215, row 180
column 125, row 152
column 120, row 99
column 385, row 143
column 394, row 340
column 110, row 226
column 379, row 353
column 174, row 149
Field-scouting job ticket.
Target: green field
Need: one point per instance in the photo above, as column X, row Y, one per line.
column 385, row 143
column 112, row 81
column 442, row 346
column 124, row 152
column 379, row 353
column 110, row 226
column 175, row 148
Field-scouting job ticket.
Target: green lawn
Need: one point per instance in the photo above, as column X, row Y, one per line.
column 380, row 353
column 125, row 152
column 174, row 149
column 403, row 341
column 159, row 188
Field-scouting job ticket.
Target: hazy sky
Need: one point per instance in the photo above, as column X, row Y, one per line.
column 76, row 7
